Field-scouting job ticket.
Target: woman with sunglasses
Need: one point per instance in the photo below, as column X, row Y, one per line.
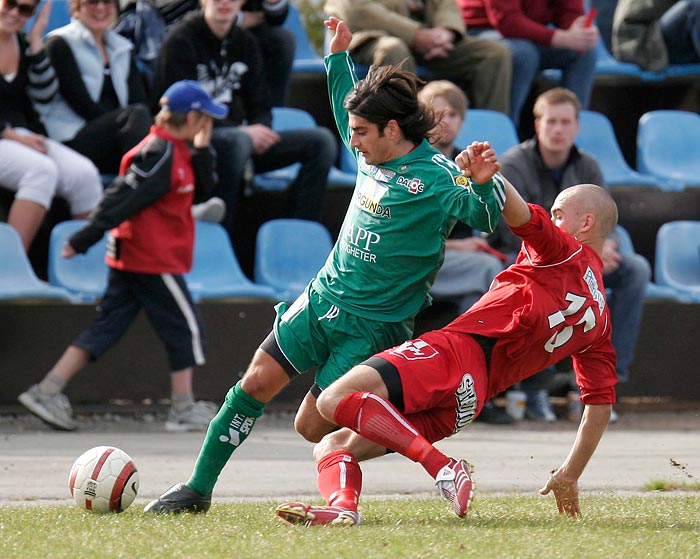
column 102, row 110
column 31, row 165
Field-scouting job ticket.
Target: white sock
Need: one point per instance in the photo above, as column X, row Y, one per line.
column 52, row 384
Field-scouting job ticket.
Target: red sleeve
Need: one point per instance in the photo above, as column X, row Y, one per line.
column 543, row 242
column 595, row 373
column 520, row 19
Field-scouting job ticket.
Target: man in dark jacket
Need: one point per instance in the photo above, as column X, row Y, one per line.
column 211, row 48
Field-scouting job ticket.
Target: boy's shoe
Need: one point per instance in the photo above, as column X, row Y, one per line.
column 53, row 409
column 538, row 407
column 196, row 417
column 456, row 486
column 317, row 515
column 179, row 498
column 491, row 413
column 213, row 210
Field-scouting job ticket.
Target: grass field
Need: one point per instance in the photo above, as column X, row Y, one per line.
column 658, row 525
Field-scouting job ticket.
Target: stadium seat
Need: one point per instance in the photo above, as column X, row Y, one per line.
column 677, row 263
column 215, row 272
column 59, row 16
column 84, row 275
column 18, row 280
column 597, row 137
column 306, row 59
column 653, row 291
column 288, row 118
column 484, row 124
column 288, row 253
column 668, row 146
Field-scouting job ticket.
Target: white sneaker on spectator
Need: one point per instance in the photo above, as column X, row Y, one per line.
column 54, row 409
column 195, row 417
column 213, row 210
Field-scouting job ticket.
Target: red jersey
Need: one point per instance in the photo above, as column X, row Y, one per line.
column 159, row 238
column 547, row 306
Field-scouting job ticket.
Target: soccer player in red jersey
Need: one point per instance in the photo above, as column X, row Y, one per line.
column 548, row 305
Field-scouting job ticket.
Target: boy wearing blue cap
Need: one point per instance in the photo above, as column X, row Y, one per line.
column 147, row 211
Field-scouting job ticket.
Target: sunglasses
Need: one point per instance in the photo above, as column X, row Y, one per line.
column 25, row 10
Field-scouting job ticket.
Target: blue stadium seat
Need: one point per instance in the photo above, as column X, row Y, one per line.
column 288, row 118
column 668, row 146
column 306, row 59
column 59, row 16
column 84, row 275
column 288, row 253
column 484, row 124
column 654, row 291
column 597, row 137
column 18, row 280
column 677, row 263
column 215, row 272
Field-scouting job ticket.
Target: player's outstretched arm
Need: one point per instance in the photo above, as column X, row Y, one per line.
column 341, row 39
column 564, row 481
column 480, row 163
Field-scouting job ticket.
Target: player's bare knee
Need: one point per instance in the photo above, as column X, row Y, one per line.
column 310, row 432
column 327, row 402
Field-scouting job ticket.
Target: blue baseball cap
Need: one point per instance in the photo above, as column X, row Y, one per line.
column 188, row 95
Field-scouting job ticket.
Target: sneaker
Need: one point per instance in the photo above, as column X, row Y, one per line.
column 53, row 409
column 317, row 515
column 196, row 417
column 538, row 406
column 456, row 485
column 491, row 413
column 213, row 210
column 179, row 498
column 613, row 416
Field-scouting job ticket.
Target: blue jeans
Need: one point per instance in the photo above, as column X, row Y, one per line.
column 627, row 285
column 529, row 59
column 680, row 26
column 315, row 148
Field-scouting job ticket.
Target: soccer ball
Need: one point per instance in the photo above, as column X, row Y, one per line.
column 103, row 479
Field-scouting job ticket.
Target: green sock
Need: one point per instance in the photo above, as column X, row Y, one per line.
column 226, row 432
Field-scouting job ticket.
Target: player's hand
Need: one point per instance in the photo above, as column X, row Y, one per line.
column 479, row 162
column 68, row 251
column 565, row 492
column 342, row 37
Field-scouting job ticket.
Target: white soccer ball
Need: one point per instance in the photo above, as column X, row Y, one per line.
column 103, row 479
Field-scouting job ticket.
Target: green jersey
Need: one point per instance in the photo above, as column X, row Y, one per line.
column 392, row 240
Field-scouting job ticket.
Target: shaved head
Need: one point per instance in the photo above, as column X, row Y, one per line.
column 594, row 200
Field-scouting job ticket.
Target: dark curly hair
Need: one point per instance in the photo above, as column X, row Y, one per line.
column 387, row 93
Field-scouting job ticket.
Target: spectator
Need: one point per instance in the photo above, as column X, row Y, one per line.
column 656, row 33
column 264, row 19
column 469, row 266
column 407, row 198
column 542, row 167
column 33, row 166
column 147, row 210
column 210, row 47
column 540, row 34
column 102, row 110
column 429, row 33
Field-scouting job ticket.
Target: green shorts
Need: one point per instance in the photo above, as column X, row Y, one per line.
column 314, row 332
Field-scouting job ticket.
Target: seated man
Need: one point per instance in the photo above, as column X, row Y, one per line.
column 542, row 167
column 540, row 34
column 657, row 33
column 429, row 33
column 549, row 305
column 470, row 263
column 211, row 48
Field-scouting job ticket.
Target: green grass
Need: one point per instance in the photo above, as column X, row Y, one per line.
column 513, row 527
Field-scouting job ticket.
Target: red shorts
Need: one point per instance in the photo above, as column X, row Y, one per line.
column 443, row 375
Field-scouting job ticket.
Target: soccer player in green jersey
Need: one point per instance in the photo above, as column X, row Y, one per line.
column 407, row 198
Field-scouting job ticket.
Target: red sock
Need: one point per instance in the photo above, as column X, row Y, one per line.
column 340, row 479
column 378, row 421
